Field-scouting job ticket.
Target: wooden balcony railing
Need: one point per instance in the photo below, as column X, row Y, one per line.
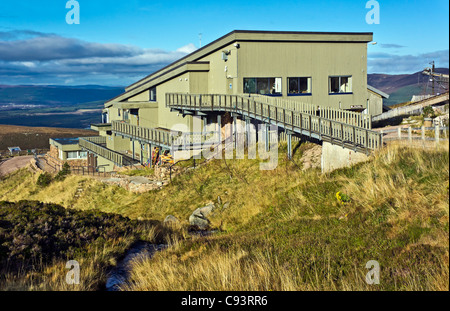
column 335, row 126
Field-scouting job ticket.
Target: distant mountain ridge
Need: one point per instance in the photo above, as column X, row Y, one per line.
column 56, row 95
column 402, row 87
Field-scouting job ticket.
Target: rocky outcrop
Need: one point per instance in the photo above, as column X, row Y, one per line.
column 199, row 218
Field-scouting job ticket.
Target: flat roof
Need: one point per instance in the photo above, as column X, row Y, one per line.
column 66, row 140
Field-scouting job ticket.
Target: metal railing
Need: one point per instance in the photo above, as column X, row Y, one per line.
column 337, row 131
column 143, row 134
column 417, row 133
column 92, row 144
column 205, row 100
column 163, row 138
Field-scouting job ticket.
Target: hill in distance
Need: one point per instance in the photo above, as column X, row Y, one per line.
column 54, row 105
column 402, row 87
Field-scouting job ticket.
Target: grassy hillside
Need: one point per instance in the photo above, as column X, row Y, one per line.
column 285, row 229
column 403, row 95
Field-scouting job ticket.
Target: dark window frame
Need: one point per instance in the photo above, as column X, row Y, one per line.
column 340, row 84
column 256, row 90
column 298, row 83
column 152, row 94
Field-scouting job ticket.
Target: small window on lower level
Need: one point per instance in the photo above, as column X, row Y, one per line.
column 299, row 85
column 71, row 155
column 340, row 84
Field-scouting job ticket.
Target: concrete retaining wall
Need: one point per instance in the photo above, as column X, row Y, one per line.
column 334, row 157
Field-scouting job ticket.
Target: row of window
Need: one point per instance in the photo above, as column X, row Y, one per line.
column 296, row 85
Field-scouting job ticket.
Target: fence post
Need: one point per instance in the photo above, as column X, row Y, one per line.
column 399, row 133
column 410, row 134
column 436, row 134
column 423, row 132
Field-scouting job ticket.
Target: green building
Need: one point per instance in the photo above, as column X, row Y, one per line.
column 324, row 72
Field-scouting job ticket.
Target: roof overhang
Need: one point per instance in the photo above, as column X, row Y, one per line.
column 377, row 91
column 161, row 78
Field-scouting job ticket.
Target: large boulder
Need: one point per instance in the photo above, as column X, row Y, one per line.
column 199, row 218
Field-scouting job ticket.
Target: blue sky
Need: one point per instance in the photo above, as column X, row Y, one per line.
column 119, row 42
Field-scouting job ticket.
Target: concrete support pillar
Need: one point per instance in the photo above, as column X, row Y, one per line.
column 205, row 122
column 150, row 151
column 219, row 128
column 235, row 136
column 247, row 132
column 267, row 128
column 289, row 144
column 334, row 157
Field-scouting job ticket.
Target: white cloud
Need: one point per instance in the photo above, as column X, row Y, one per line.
column 188, row 49
column 41, row 55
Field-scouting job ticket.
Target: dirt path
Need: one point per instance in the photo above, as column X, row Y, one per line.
column 13, row 164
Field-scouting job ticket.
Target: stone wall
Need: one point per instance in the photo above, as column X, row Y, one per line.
column 53, row 159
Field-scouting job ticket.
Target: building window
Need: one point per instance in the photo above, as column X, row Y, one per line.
column 262, row 86
column 340, row 84
column 153, row 94
column 299, row 86
column 74, row 155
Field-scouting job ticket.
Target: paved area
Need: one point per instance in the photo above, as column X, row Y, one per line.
column 11, row 165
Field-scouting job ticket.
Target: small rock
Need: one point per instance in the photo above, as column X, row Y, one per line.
column 226, row 205
column 170, row 219
column 199, row 216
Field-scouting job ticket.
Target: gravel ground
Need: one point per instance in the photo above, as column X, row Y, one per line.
column 13, row 164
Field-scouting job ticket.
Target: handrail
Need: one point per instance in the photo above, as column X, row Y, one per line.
column 338, row 129
column 92, row 144
column 161, row 137
column 348, row 117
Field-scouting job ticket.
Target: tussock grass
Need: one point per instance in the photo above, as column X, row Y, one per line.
column 285, row 229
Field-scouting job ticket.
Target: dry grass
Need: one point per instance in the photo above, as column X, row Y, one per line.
column 285, row 229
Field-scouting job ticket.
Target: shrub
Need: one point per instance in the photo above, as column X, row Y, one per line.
column 428, row 112
column 44, row 179
column 63, row 172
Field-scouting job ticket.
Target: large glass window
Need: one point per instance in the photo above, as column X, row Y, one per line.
column 299, row 85
column 340, row 84
column 262, row 86
column 76, row 155
column 153, row 94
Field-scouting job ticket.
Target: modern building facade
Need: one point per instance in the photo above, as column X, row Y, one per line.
column 319, row 69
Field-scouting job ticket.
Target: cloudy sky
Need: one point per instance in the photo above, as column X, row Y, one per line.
column 119, row 42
